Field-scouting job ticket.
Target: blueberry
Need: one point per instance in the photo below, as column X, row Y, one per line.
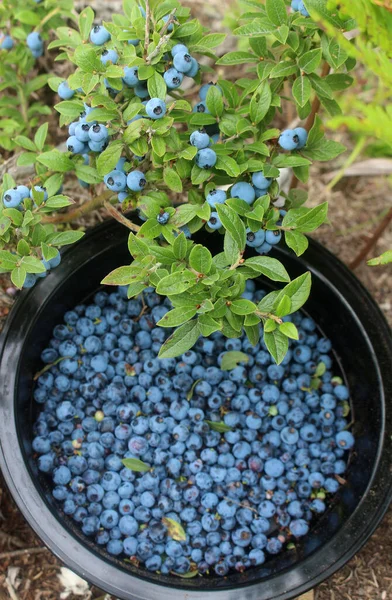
column 302, row 135
column 302, row 9
column 98, row 133
column 6, row 42
column 74, row 145
column 131, row 78
column 345, row 440
column 136, row 181
column 288, row 140
column 156, row 108
column 182, row 61
column 163, row 218
column 200, row 139
column 12, row 198
column 99, row 35
column 255, row 239
column 244, row 191
column 206, row 158
column 109, row 56
column 64, row 91
column 116, row 181
column 178, row 48
column 34, row 41
column 204, row 90
column 260, row 181
column 173, row 78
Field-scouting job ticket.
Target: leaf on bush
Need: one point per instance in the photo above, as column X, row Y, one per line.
column 233, row 224
column 296, row 241
column 276, row 11
column 310, row 61
column 200, row 259
column 214, row 101
column 297, row 290
column 172, row 179
column 120, row 276
column 177, row 316
column 302, row 90
column 270, row 267
column 242, row 306
column 237, row 58
column 289, row 330
column 383, row 259
column 277, row 344
column 56, row 161
column 65, row 238
column 183, row 339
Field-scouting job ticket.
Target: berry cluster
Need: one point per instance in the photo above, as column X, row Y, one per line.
column 87, row 136
column 34, row 42
column 176, row 463
column 293, row 139
column 118, row 180
column 298, row 5
column 206, row 157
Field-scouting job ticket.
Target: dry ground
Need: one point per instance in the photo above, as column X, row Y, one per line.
column 356, row 205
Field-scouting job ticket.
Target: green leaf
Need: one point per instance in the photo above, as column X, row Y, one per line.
column 214, row 101
column 310, row 61
column 284, row 69
column 32, row 264
column 18, row 276
column 8, row 261
column 296, row 241
column 108, row 159
column 219, row 426
column 180, row 246
column 237, row 58
column 233, row 224
column 176, row 283
column 281, row 33
column 25, row 143
column 159, row 145
column 184, row 214
column 276, row 11
column 301, row 90
column 86, row 58
column 304, row 219
column 200, row 259
column 56, row 161
column 15, row 216
column 208, row 325
column 320, row 85
column 260, row 103
column 177, row 316
column 134, row 464
column 87, row 174
column 289, row 330
column 258, row 27
column 298, row 291
column 27, row 17
column 320, row 369
column 183, row 339
column 189, row 394
column 277, row 344
column 228, row 165
column 65, row 237
column 383, row 259
column 253, row 333
column 242, row 306
column 270, row 267
column 174, row 529
column 325, row 151
column 120, row 276
column 23, row 248
column 86, row 19
column 48, row 252
column 232, row 359
column 157, row 87
column 284, row 307
column 269, row 326
column 172, row 179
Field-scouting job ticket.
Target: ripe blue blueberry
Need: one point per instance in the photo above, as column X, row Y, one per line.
column 244, row 191
column 206, row 158
column 34, row 41
column 131, row 78
column 193, row 71
column 12, row 198
column 255, row 239
column 6, row 42
column 302, row 135
column 156, row 108
column 136, row 181
column 109, row 56
column 99, row 35
column 82, row 132
column 173, row 78
column 40, row 189
column 182, row 61
column 64, row 91
column 163, row 218
column 273, row 237
column 204, row 90
column 116, row 181
column 74, row 145
column 302, row 9
column 288, row 140
column 98, row 133
column 200, row 139
column 261, row 182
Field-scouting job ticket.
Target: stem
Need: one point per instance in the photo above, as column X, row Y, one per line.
column 82, row 210
column 147, row 29
column 16, row 553
column 372, row 240
column 316, row 101
column 264, row 315
column 24, row 107
column 164, row 38
column 50, row 14
column 361, row 143
column 120, row 218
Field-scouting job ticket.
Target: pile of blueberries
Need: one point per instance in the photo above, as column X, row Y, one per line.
column 239, row 460
column 86, row 136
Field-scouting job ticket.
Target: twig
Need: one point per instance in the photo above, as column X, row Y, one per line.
column 11, row 590
column 25, row 552
column 316, row 102
column 264, row 315
column 372, row 240
column 50, row 14
column 164, row 38
column 120, row 218
column 240, row 504
column 76, row 213
column 147, row 29
column 11, row 539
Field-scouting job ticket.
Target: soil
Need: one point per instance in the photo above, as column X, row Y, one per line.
column 356, row 207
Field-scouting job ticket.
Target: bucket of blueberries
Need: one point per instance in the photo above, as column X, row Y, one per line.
column 218, row 473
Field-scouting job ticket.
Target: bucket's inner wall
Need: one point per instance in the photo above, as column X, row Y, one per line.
column 73, row 283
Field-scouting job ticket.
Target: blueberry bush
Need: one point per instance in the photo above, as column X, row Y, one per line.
column 25, row 27
column 214, row 166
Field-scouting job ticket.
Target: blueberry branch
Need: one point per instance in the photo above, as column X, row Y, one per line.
column 85, row 208
column 147, row 29
column 264, row 315
column 164, row 38
column 120, row 218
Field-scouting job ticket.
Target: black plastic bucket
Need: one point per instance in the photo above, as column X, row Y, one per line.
column 362, row 342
